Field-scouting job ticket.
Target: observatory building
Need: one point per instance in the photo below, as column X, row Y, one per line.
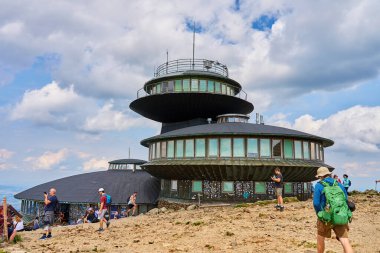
column 208, row 149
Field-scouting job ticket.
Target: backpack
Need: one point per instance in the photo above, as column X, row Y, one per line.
column 128, row 199
column 108, row 200
column 349, row 182
column 336, row 211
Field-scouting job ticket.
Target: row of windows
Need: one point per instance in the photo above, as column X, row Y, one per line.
column 236, row 147
column 228, row 187
column 124, row 167
column 191, row 85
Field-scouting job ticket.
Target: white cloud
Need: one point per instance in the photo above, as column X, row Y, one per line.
column 356, row 129
column 47, row 160
column 95, row 164
column 11, row 29
column 5, row 154
column 366, row 170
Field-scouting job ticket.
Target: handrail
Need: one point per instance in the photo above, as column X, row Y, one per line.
column 182, row 65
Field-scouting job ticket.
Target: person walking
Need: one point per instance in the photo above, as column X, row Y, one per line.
column 132, row 204
column 320, row 205
column 346, row 182
column 102, row 210
column 51, row 203
column 278, row 185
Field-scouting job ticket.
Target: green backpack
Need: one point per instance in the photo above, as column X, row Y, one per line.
column 336, row 211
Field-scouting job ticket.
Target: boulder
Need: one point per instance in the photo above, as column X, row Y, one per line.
column 163, row 210
column 192, row 207
column 154, row 211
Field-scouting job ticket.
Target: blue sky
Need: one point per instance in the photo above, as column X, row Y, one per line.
column 68, row 72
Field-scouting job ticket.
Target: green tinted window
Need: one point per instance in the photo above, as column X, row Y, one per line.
column 210, row 87
column 186, row 84
column 252, row 149
column 217, row 87
column 213, row 147
column 298, row 149
column 225, row 147
column 306, row 152
column 239, row 147
column 276, row 148
column 223, row 89
column 189, row 151
column 178, row 85
column 163, row 149
column 228, row 186
column 305, row 187
column 288, row 148
column 202, row 85
column 197, row 186
column 158, row 150
column 265, row 148
column 170, row 149
column 194, row 84
column 179, row 148
column 158, row 88
column 260, row 188
column 288, row 188
column 200, row 147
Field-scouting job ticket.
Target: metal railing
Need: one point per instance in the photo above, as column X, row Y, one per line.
column 182, row 65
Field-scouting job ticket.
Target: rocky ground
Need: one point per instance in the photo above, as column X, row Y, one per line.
column 247, row 228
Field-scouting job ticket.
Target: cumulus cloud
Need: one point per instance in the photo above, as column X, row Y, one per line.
column 5, row 154
column 366, row 170
column 47, row 160
column 95, row 164
column 356, row 129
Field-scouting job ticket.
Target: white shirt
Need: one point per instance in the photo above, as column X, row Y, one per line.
column 19, row 226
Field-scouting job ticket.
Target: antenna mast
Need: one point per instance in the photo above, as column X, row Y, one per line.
column 193, row 42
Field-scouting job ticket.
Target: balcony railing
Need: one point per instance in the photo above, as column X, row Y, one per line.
column 182, row 65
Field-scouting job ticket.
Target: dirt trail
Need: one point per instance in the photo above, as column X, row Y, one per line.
column 222, row 229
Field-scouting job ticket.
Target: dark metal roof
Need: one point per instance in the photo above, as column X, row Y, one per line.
column 181, row 106
column 237, row 129
column 245, row 169
column 127, row 161
column 83, row 188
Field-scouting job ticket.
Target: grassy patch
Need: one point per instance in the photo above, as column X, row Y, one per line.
column 197, row 223
column 306, row 244
column 290, row 199
column 243, row 205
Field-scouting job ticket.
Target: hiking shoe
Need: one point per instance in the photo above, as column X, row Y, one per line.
column 282, row 208
column 100, row 230
column 43, row 237
column 48, row 236
column 108, row 224
column 277, row 206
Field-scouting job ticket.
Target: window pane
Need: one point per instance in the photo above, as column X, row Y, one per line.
column 288, row 146
column 158, row 88
column 260, row 188
column 179, row 148
column 202, row 85
column 228, row 186
column 298, row 149
column 170, row 149
column 239, row 147
column 200, row 147
column 189, row 148
column 158, row 150
column 154, row 89
column 153, row 151
column 276, row 148
column 223, row 89
column 317, row 151
column 186, row 85
column 217, row 87
column 174, row 184
column 170, row 86
column 265, row 148
column 225, row 147
column 194, row 84
column 164, row 87
column 213, row 147
column 178, row 85
column 210, row 87
column 321, row 152
column 252, row 150
column 306, row 152
column 197, row 186
column 163, row 149
column 228, row 90
column 312, row 150
column 288, row 188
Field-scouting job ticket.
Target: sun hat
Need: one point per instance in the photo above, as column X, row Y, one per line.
column 101, row 190
column 322, row 171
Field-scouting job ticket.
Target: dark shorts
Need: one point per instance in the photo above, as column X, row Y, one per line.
column 130, row 206
column 341, row 231
column 48, row 219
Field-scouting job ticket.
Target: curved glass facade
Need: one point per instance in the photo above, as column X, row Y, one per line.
column 236, row 147
column 191, row 85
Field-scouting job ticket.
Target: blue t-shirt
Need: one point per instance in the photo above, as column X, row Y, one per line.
column 53, row 202
column 278, row 185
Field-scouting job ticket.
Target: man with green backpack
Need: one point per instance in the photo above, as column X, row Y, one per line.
column 330, row 204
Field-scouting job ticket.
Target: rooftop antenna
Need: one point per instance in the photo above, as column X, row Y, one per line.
column 167, row 60
column 193, row 41
column 129, row 152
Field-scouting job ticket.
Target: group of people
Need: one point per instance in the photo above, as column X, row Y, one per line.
column 324, row 205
